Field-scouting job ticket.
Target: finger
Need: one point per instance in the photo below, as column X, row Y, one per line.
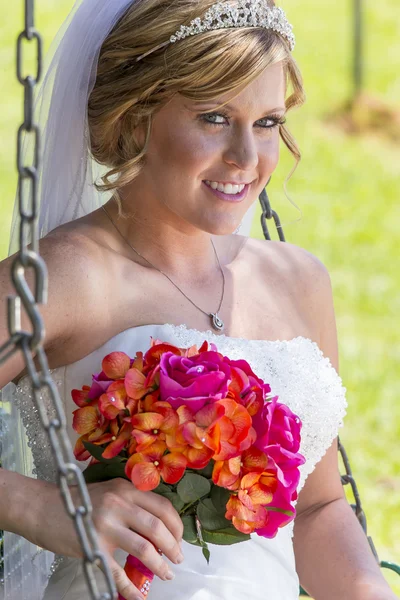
column 144, row 550
column 123, row 584
column 154, row 529
column 162, row 508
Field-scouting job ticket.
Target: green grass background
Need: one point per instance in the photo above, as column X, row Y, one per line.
column 348, row 191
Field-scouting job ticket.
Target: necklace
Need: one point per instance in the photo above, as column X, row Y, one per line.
column 216, row 320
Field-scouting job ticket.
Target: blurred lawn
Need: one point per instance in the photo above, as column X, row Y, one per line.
column 348, row 191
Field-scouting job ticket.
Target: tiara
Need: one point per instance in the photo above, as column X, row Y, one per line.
column 244, row 13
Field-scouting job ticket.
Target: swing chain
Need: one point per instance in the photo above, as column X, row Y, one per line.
column 348, row 478
column 268, row 213
column 30, row 343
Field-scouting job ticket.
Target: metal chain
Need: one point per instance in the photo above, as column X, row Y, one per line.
column 268, row 213
column 167, row 276
column 68, row 472
column 348, row 478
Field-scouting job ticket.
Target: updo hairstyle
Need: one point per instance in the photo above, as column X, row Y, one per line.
column 127, row 94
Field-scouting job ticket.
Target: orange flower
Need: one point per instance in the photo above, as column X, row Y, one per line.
column 116, row 402
column 145, row 469
column 191, row 437
column 89, row 420
column 118, row 442
column 118, row 436
column 148, row 427
column 80, row 397
column 115, row 365
column 243, row 518
column 157, row 349
column 231, row 434
column 246, row 509
column 229, row 473
column 136, row 384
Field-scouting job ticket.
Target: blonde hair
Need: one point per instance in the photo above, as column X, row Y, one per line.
column 127, row 94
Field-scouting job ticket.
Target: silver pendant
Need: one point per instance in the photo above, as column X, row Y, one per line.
column 218, row 323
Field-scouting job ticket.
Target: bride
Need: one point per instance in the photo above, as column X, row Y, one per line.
column 185, row 134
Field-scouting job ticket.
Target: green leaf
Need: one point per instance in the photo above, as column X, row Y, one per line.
column 175, row 500
column 97, row 452
column 190, row 531
column 207, row 471
column 206, row 554
column 192, row 487
column 225, row 537
column 209, row 518
column 220, row 497
column 166, row 491
column 103, row 472
column 280, row 510
column 161, row 489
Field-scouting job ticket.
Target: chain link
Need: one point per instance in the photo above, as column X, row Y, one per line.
column 69, row 473
column 268, row 213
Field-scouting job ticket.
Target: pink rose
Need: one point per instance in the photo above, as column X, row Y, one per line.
column 278, row 435
column 193, row 380
column 277, row 424
column 276, row 519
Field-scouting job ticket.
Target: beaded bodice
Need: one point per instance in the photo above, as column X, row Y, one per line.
column 296, row 369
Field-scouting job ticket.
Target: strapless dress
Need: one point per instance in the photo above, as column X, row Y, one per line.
column 298, row 373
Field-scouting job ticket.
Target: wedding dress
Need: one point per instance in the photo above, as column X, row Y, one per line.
column 298, row 373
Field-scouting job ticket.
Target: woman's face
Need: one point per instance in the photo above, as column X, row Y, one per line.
column 236, row 144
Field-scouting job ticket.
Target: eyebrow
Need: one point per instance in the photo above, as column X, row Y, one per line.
column 270, row 110
column 234, row 109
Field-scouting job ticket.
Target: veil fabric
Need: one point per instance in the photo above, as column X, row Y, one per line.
column 67, row 172
column 66, row 192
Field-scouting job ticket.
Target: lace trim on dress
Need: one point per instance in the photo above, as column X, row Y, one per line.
column 26, row 450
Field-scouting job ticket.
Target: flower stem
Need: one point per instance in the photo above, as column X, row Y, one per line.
column 185, row 508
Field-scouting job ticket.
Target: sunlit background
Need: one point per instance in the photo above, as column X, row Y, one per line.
column 348, row 189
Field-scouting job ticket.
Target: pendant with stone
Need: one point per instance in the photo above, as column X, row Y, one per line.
column 217, row 322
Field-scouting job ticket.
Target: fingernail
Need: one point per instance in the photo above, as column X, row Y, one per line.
column 180, row 558
column 170, row 575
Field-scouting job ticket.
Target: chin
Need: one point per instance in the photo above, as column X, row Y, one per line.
column 218, row 228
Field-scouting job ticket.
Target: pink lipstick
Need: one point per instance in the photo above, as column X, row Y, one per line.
column 229, row 197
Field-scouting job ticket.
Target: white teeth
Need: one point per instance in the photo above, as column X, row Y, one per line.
column 227, row 188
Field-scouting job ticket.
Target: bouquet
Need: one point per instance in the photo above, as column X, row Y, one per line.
column 198, row 428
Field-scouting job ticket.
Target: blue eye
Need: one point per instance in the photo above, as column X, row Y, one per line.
column 273, row 118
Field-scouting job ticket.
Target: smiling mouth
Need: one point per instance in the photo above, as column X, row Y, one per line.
column 238, row 197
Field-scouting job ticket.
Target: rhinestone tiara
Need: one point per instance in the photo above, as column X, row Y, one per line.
column 243, row 13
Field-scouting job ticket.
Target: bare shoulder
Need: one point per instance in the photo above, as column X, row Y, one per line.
column 289, row 258
column 297, row 274
column 75, row 293
column 296, row 265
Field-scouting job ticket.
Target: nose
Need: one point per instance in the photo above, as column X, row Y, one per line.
column 242, row 151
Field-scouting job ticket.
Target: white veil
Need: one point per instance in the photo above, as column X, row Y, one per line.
column 67, row 172
column 66, row 192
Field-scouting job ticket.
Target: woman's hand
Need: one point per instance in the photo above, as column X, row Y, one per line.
column 123, row 516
